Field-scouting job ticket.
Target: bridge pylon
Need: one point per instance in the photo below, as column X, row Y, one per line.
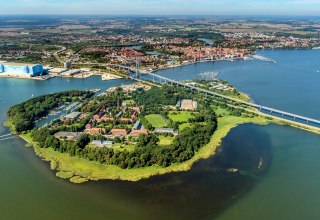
column 138, row 74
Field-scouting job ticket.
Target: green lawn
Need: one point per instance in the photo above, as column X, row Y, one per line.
column 184, row 125
column 182, row 116
column 156, row 120
column 127, row 147
column 165, row 141
column 221, row 111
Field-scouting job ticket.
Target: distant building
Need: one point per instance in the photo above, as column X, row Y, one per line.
column 136, row 109
column 165, row 131
column 24, row 71
column 104, row 118
column 188, row 104
column 70, row 72
column 69, row 136
column 89, row 125
column 125, row 120
column 119, row 132
column 95, row 131
column 134, row 115
column 67, row 65
column 99, row 143
column 72, row 115
column 99, row 114
column 137, row 126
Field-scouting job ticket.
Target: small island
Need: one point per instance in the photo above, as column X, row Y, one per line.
column 129, row 132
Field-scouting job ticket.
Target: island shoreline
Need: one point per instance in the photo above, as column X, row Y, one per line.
column 58, row 160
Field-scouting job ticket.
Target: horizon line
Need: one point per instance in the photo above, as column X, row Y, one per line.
column 162, row 15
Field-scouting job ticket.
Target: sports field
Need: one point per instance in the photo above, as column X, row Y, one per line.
column 156, row 120
column 182, row 116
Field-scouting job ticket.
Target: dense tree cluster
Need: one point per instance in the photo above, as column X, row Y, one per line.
column 157, row 97
column 24, row 115
column 147, row 153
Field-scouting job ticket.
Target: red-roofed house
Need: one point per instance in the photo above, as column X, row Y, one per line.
column 88, row 126
column 125, row 119
column 136, row 109
column 100, row 114
column 96, row 131
column 119, row 132
column 134, row 115
column 105, row 118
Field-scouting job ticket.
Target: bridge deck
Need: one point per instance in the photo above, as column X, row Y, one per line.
column 260, row 107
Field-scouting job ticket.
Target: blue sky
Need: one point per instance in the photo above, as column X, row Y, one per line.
column 162, row 7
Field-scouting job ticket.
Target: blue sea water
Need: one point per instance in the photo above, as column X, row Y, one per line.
column 288, row 189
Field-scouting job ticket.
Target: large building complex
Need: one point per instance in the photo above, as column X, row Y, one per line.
column 23, row 71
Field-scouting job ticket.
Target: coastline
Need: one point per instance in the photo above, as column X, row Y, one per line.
column 22, row 77
column 110, row 76
column 79, row 170
column 191, row 63
column 108, row 172
column 184, row 63
column 104, row 76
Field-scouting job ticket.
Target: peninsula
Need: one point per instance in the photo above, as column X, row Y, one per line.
column 126, row 133
column 133, row 132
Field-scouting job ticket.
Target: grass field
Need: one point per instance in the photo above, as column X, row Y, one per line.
column 165, row 141
column 182, row 116
column 129, row 147
column 221, row 111
column 156, row 120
